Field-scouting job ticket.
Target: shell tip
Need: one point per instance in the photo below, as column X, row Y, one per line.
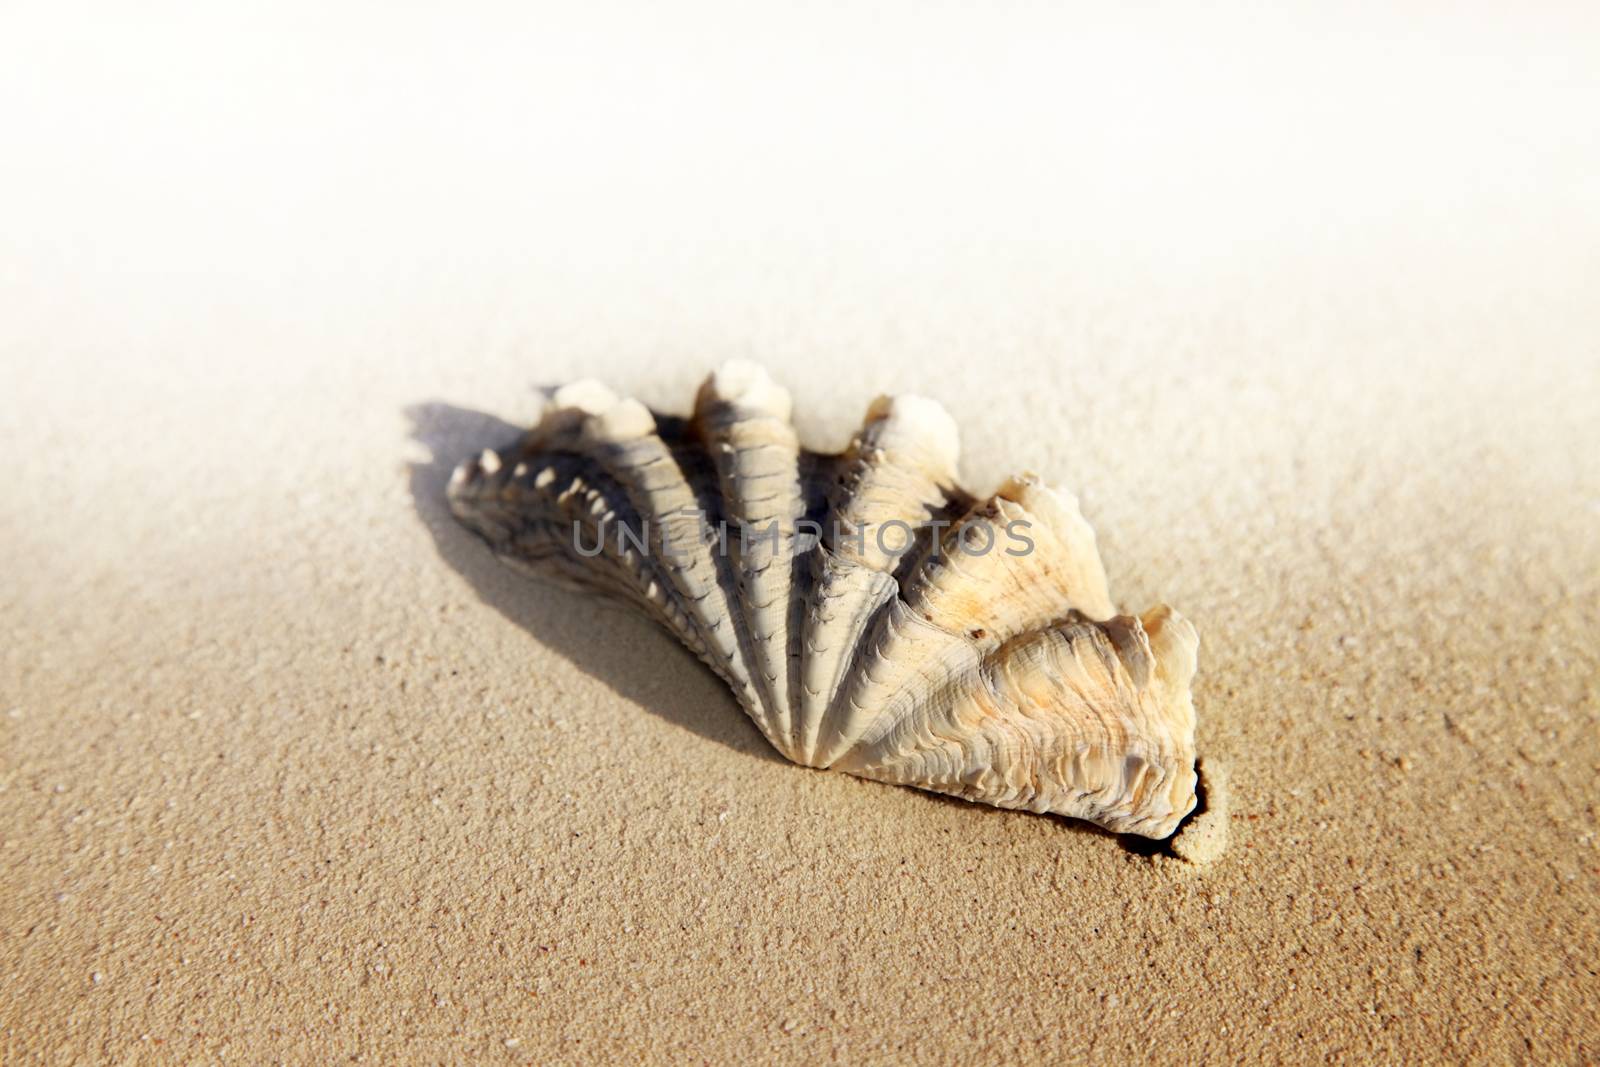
column 922, row 420
column 747, row 386
column 589, row 396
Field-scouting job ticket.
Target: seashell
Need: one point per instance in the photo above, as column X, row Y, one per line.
column 868, row 614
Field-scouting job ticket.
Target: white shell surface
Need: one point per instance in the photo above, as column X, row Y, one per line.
column 868, row 614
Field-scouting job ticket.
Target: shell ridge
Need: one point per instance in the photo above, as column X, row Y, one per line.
column 899, row 469
column 622, row 439
column 524, row 535
column 743, row 417
column 666, row 499
column 957, row 737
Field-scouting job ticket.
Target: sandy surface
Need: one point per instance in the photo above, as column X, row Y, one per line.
column 291, row 769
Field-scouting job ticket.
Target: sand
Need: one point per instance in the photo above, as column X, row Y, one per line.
column 291, row 769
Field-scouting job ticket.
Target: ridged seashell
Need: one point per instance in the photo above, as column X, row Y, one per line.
column 869, row 615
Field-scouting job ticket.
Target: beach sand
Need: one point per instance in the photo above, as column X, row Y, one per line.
column 292, row 769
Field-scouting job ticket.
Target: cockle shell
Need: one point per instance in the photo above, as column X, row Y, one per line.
column 845, row 600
